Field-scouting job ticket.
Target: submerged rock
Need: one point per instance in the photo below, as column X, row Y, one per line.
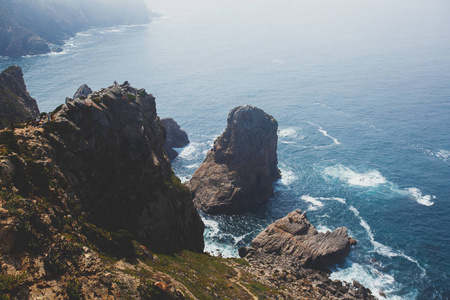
column 294, row 239
column 83, row 90
column 175, row 137
column 16, row 104
column 239, row 170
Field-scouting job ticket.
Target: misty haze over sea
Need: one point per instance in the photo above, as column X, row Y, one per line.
column 361, row 93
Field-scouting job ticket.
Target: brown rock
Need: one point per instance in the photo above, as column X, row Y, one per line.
column 238, row 172
column 294, row 237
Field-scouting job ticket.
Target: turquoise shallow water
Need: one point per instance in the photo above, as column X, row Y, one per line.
column 363, row 126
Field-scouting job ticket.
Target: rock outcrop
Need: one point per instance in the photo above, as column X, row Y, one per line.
column 295, row 240
column 16, row 104
column 239, row 170
column 27, row 27
column 83, row 90
column 107, row 151
column 175, row 137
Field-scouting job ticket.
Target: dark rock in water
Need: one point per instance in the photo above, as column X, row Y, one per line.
column 16, row 104
column 57, row 49
column 238, row 172
column 295, row 239
column 175, row 137
column 83, row 90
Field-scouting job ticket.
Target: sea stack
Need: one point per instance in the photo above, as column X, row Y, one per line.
column 175, row 137
column 294, row 239
column 239, row 170
column 16, row 104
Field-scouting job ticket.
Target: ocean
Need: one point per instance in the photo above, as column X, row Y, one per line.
column 361, row 93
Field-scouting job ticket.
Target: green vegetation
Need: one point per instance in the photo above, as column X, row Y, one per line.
column 74, row 290
column 9, row 141
column 148, row 290
column 9, row 283
column 175, row 182
column 119, row 243
column 131, row 97
column 60, row 255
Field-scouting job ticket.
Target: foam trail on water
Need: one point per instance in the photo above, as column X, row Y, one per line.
column 380, row 248
column 416, row 194
column 372, row 178
column 325, row 133
column 315, row 204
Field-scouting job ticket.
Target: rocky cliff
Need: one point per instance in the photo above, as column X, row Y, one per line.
column 176, row 137
column 28, row 26
column 238, row 172
column 16, row 105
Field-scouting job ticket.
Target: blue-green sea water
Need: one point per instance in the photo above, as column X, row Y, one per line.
column 362, row 98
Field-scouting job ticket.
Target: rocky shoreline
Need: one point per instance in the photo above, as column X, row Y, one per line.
column 29, row 27
column 90, row 209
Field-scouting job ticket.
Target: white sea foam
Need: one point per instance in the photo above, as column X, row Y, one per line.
column 322, row 228
column 287, row 132
column 372, row 178
column 315, row 203
column 379, row 247
column 443, row 154
column 189, row 150
column 369, row 277
column 416, row 194
column 325, row 133
column 341, row 200
column 193, row 166
column 287, row 176
column 211, row 227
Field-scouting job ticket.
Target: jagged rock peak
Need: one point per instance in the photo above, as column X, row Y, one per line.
column 15, row 102
column 175, row 137
column 238, row 172
column 83, row 90
column 295, row 239
column 114, row 141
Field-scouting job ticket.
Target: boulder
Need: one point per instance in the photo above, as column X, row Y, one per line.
column 239, row 170
column 295, row 239
column 16, row 104
column 175, row 137
column 83, row 90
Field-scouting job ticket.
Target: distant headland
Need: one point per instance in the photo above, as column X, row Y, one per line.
column 32, row 27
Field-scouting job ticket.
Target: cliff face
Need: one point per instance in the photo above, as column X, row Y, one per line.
column 238, row 172
column 16, row 104
column 107, row 150
column 27, row 26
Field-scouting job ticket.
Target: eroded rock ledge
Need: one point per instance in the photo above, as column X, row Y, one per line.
column 293, row 239
column 239, row 170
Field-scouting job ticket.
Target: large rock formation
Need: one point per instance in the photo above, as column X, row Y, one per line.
column 107, row 151
column 16, row 104
column 238, row 172
column 295, row 240
column 175, row 137
column 28, row 26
